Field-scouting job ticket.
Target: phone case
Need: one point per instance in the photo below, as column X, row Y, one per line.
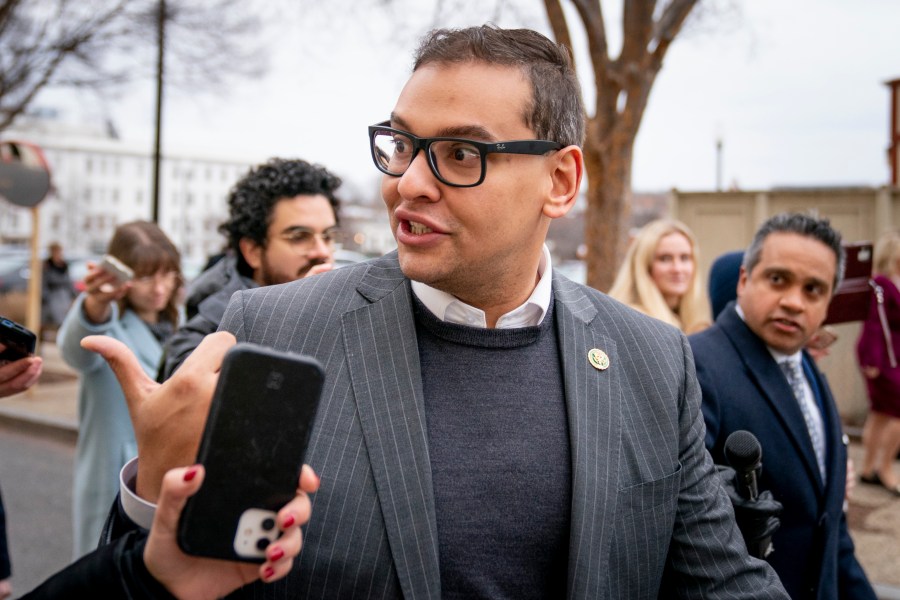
column 252, row 448
column 19, row 340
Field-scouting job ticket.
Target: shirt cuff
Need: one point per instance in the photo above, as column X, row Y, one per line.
column 138, row 510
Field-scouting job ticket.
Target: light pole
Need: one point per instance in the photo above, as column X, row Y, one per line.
column 157, row 144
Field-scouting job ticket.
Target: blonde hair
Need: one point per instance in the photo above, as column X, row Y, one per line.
column 634, row 286
column 887, row 254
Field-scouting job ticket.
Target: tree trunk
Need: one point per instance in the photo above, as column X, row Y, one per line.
column 622, row 88
column 609, row 203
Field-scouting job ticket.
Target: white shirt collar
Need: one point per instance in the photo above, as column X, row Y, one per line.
column 448, row 308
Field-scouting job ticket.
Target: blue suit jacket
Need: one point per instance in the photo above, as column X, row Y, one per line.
column 744, row 388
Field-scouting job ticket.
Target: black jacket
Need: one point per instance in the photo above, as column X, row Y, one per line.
column 207, row 297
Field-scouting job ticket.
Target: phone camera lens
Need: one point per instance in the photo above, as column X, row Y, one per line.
column 268, row 524
column 262, row 543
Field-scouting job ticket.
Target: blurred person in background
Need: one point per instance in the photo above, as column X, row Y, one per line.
column 282, row 225
column 142, row 313
column 877, row 350
column 659, row 276
column 57, row 292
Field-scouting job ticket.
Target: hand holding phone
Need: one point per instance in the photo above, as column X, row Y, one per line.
column 116, row 267
column 17, row 340
column 252, row 449
column 119, row 270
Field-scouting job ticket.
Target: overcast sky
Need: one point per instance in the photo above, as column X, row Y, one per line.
column 795, row 89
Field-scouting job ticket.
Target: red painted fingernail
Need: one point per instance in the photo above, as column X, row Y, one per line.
column 190, row 474
column 277, row 554
column 288, row 522
column 268, row 572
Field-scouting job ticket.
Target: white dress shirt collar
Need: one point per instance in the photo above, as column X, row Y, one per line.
column 452, row 310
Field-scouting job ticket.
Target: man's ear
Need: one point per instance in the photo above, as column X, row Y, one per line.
column 252, row 252
column 742, row 281
column 565, row 181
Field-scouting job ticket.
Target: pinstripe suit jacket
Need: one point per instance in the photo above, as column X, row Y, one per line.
column 648, row 517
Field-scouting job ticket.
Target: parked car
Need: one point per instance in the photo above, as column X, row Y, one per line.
column 14, row 272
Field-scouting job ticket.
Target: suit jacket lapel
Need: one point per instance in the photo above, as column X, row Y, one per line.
column 382, row 352
column 592, row 401
column 776, row 391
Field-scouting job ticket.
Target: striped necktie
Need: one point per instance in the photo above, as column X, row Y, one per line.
column 795, row 377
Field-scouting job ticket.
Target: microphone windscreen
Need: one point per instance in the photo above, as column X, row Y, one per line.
column 742, row 450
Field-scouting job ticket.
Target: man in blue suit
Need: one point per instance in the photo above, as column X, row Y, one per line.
column 755, row 375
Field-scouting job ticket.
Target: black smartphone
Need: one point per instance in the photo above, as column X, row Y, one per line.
column 19, row 341
column 252, row 449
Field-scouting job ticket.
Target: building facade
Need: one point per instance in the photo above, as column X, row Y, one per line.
column 99, row 182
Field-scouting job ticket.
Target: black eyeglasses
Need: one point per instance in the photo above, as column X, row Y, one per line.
column 455, row 161
column 301, row 239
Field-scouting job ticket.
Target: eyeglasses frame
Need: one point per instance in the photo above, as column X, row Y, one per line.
column 532, row 147
column 335, row 232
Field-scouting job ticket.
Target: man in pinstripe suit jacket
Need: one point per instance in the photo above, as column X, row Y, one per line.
column 487, row 428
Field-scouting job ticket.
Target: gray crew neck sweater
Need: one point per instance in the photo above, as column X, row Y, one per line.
column 499, row 447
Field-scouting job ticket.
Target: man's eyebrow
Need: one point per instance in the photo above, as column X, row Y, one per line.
column 474, row 132
column 819, row 282
column 789, row 274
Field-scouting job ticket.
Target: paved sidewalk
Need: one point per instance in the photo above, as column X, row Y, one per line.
column 873, row 513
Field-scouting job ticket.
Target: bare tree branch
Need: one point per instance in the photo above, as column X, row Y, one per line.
column 101, row 44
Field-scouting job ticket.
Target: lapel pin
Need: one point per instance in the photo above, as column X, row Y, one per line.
column 598, row 359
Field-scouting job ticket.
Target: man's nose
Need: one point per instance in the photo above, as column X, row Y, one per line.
column 792, row 299
column 418, row 181
column 321, row 248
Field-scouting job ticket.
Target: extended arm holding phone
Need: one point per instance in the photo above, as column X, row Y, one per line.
column 168, row 420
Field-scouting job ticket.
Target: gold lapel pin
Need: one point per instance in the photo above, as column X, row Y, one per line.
column 598, row 359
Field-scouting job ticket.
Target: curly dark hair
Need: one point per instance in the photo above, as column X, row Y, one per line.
column 251, row 199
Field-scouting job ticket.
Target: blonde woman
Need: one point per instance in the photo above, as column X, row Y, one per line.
column 659, row 276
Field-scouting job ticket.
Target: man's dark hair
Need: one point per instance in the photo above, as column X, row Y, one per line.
column 252, row 198
column 805, row 225
column 556, row 112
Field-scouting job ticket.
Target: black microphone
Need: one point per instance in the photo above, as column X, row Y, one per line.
column 744, row 454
